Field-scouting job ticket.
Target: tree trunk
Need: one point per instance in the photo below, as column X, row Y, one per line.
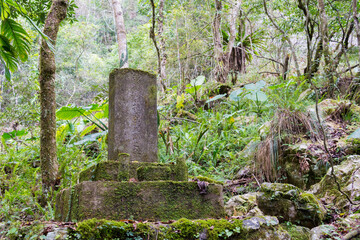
column 234, row 14
column 324, row 33
column 357, row 25
column 218, row 46
column 49, row 164
column 120, row 33
column 153, row 37
column 163, row 56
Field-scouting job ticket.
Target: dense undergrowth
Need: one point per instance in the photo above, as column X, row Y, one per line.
column 203, row 125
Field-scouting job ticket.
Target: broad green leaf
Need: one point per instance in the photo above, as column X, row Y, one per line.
column 234, row 95
column 69, row 113
column 255, row 86
column 198, row 81
column 91, row 138
column 257, row 96
column 216, row 98
column 17, row 36
column 14, row 134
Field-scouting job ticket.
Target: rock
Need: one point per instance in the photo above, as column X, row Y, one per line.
column 289, row 203
column 297, row 232
column 57, row 233
column 317, row 232
column 338, row 229
column 255, row 223
column 243, row 205
column 348, row 176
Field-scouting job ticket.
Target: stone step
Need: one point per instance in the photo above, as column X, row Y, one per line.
column 138, row 171
column 153, row 201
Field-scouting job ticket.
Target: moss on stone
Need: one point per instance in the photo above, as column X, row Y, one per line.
column 123, row 171
column 153, row 200
column 153, row 173
column 209, row 180
column 183, row 229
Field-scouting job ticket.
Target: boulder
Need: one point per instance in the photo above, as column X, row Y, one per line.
column 243, row 205
column 289, row 203
column 348, row 176
column 343, row 228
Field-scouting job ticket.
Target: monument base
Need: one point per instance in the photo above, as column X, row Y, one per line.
column 152, row 201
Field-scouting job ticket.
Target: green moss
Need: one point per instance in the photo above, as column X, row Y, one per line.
column 153, row 173
column 209, row 180
column 123, row 171
column 297, row 232
column 181, row 229
column 151, row 200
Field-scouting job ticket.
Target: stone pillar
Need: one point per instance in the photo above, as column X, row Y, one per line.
column 132, row 116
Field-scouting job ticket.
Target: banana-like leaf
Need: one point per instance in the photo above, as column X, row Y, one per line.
column 17, row 36
column 69, row 113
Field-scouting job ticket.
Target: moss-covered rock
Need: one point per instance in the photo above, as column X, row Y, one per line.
column 153, row 200
column 348, row 176
column 297, row 232
column 243, row 205
column 183, row 229
column 289, row 203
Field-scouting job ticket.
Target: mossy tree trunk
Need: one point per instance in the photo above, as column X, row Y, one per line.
column 49, row 164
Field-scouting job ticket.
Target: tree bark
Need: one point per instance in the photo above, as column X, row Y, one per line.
column 47, row 68
column 218, row 46
column 324, row 35
column 163, row 56
column 120, row 33
column 234, row 14
column 357, row 25
column 153, row 37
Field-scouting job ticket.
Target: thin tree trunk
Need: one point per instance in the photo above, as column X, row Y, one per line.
column 120, row 33
column 152, row 36
column 286, row 38
column 218, row 46
column 324, row 33
column 234, row 14
column 180, row 89
column 357, row 25
column 163, row 56
column 49, row 164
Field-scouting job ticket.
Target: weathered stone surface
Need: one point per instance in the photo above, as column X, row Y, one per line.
column 132, row 115
column 348, row 176
column 289, row 203
column 318, row 232
column 243, row 205
column 139, row 171
column 156, row 200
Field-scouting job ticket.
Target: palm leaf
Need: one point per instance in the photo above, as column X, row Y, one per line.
column 8, row 55
column 17, row 36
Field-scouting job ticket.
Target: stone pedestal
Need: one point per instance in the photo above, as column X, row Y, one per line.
column 131, row 184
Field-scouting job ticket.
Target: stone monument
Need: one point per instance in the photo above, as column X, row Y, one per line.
column 132, row 184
